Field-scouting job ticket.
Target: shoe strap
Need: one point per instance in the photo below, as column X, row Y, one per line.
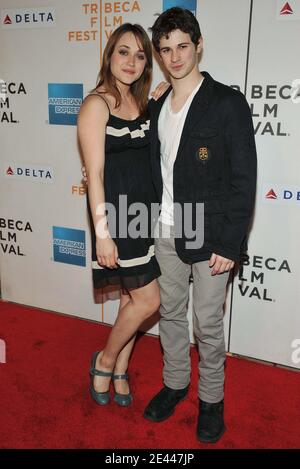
column 125, row 376
column 95, row 372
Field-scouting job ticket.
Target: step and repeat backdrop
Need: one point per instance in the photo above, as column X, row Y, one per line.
column 49, row 60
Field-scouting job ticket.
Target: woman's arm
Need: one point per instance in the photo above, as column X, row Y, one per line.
column 160, row 89
column 91, row 123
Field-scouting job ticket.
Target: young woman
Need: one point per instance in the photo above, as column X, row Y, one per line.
column 113, row 130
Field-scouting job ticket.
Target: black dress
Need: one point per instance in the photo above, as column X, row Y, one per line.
column 127, row 173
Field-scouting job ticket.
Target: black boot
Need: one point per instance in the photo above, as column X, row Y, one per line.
column 210, row 421
column 163, row 404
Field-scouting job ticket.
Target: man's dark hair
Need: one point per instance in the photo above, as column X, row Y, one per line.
column 175, row 18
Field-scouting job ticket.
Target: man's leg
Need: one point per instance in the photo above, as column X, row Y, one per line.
column 208, row 299
column 173, row 325
column 173, row 329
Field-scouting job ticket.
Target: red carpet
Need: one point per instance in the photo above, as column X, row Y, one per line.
column 45, row 401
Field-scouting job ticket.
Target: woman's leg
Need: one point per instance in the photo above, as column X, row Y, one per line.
column 142, row 303
column 121, row 386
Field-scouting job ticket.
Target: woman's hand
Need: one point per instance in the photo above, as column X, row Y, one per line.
column 160, row 90
column 107, row 253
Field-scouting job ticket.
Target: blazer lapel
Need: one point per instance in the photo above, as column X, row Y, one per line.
column 197, row 108
column 156, row 108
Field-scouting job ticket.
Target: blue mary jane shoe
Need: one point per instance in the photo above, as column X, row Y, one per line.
column 101, row 398
column 123, row 400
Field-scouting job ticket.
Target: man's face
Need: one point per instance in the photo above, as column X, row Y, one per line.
column 179, row 54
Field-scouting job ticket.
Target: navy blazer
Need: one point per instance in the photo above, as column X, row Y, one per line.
column 215, row 165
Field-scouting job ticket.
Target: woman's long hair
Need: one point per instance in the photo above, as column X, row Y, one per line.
column 140, row 88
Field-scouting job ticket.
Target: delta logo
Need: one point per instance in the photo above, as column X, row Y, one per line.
column 28, row 172
column 187, row 4
column 69, row 246
column 287, row 11
column 64, row 101
column 271, row 194
column 7, row 20
column 27, row 18
column 274, row 194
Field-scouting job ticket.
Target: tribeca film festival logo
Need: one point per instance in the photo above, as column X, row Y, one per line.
column 27, row 18
column 265, row 111
column 7, row 90
column 274, row 194
column 109, row 13
column 64, row 101
column 91, row 13
column 78, row 190
column 69, row 246
column 137, row 221
column 113, row 15
column 253, row 279
column 28, row 172
column 9, row 232
column 188, row 4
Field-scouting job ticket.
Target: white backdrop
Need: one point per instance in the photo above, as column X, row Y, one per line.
column 50, row 56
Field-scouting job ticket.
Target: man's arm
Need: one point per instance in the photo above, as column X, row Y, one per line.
column 240, row 142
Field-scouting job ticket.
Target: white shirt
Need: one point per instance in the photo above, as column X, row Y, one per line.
column 170, row 125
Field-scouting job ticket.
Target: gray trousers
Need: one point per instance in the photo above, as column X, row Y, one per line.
column 208, row 299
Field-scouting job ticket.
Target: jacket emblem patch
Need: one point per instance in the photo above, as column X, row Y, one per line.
column 203, row 153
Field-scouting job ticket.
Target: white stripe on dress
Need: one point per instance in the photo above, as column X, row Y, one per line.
column 130, row 262
column 125, row 130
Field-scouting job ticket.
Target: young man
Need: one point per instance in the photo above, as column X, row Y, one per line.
column 203, row 151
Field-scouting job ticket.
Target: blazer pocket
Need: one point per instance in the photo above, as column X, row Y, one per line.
column 203, row 142
column 204, row 133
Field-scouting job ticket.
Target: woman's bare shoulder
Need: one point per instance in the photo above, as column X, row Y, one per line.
column 94, row 105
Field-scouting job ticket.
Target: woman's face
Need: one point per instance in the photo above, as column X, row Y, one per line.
column 128, row 60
